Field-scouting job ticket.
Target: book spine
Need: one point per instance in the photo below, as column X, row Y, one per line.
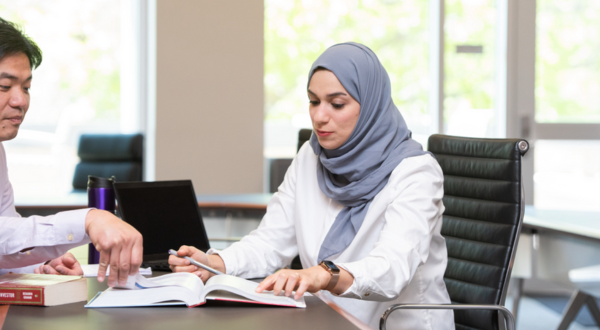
column 22, row 296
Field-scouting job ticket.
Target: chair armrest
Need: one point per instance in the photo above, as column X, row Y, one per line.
column 510, row 319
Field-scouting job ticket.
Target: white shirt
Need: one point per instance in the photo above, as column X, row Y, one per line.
column 52, row 236
column 398, row 255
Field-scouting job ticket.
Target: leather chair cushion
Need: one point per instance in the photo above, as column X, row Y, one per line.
column 111, row 147
column 123, row 171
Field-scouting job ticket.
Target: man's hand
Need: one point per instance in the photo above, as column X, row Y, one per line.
column 67, row 264
column 119, row 244
column 178, row 264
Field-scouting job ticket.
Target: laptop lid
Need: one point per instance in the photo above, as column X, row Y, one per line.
column 166, row 213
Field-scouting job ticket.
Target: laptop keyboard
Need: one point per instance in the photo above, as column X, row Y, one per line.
column 158, row 265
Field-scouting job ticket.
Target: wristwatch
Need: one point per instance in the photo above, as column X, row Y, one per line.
column 332, row 269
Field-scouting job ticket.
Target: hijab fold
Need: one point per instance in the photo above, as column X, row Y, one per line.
column 360, row 168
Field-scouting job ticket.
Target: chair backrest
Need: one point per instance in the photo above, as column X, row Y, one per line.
column 278, row 166
column 105, row 155
column 303, row 136
column 483, row 197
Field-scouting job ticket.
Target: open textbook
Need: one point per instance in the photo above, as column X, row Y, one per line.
column 92, row 270
column 187, row 289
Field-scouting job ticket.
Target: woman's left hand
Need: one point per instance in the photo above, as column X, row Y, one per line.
column 300, row 280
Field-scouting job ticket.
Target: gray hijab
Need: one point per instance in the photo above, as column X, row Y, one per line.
column 356, row 171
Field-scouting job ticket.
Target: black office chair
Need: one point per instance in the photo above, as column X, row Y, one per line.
column 483, row 196
column 278, row 166
column 106, row 155
column 303, row 136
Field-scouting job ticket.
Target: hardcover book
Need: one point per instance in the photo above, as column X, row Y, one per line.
column 41, row 290
column 187, row 289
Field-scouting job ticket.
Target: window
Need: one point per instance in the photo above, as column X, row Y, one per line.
column 75, row 90
column 567, row 116
column 567, row 67
column 297, row 32
column 470, row 107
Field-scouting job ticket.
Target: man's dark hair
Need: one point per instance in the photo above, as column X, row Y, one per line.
column 13, row 41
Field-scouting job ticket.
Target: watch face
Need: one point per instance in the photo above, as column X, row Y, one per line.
column 331, row 265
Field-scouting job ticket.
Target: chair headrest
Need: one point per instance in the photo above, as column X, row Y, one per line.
column 111, row 147
column 477, row 147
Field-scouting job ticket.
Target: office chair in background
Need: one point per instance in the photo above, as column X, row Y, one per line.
column 105, row 155
column 483, row 196
column 277, row 169
column 278, row 166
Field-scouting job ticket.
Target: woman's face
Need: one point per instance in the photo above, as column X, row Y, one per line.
column 333, row 111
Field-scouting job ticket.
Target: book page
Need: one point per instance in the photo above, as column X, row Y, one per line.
column 35, row 279
column 186, row 280
column 167, row 295
column 161, row 290
column 245, row 288
column 92, row 270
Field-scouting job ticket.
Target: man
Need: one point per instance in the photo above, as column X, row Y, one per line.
column 34, row 240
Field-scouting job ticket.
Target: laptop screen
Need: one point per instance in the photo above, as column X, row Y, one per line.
column 166, row 213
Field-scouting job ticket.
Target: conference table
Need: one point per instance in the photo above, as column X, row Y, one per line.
column 252, row 204
column 551, row 243
column 213, row 315
column 321, row 313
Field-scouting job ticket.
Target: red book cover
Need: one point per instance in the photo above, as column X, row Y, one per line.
column 21, row 295
column 32, row 289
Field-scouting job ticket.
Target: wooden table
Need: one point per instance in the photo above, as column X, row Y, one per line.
column 317, row 315
column 255, row 204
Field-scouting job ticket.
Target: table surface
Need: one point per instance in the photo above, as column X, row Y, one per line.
column 78, row 199
column 316, row 315
column 580, row 223
column 574, row 222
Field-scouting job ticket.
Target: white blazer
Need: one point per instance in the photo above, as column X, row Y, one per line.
column 52, row 236
column 398, row 255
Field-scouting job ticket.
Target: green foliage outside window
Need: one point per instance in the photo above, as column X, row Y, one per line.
column 298, row 31
column 81, row 55
column 469, row 78
column 567, row 61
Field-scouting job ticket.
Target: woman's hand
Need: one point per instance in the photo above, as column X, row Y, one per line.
column 178, row 264
column 300, row 280
column 67, row 264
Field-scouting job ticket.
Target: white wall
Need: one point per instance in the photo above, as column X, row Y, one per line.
column 209, row 94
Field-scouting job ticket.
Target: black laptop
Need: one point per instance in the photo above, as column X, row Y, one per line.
column 166, row 213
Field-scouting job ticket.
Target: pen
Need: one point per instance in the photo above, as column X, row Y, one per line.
column 196, row 263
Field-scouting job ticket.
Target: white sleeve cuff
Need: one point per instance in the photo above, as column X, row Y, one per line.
column 353, row 290
column 229, row 267
column 69, row 227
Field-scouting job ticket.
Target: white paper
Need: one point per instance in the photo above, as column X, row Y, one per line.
column 92, row 270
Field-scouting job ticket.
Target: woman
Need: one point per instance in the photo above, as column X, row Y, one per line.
column 361, row 196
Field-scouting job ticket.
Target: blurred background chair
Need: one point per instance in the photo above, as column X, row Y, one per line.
column 279, row 166
column 483, row 196
column 105, row 155
column 277, row 170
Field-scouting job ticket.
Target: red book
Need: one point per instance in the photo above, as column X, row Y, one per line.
column 41, row 290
